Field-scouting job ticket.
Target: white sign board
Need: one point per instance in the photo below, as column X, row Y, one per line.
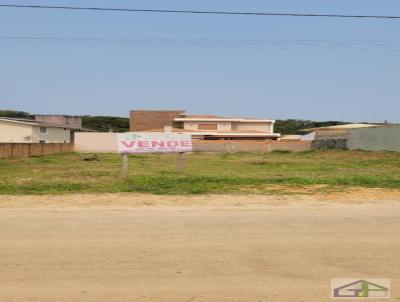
column 152, row 142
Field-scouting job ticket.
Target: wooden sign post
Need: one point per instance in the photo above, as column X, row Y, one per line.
column 124, row 164
column 181, row 162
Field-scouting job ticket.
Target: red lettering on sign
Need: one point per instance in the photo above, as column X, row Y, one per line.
column 128, row 144
column 158, row 144
column 172, row 144
column 143, row 144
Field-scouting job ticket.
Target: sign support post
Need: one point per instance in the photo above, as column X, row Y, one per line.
column 124, row 164
column 181, row 162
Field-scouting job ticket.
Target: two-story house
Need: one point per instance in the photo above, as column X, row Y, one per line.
column 207, row 127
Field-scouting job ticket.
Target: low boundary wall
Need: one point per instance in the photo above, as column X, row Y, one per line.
column 383, row 138
column 330, row 140
column 329, row 144
column 250, row 146
column 96, row 142
column 11, row 150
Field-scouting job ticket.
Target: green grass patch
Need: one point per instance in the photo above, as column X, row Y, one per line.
column 204, row 173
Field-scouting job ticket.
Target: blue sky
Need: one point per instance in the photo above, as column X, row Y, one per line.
column 270, row 67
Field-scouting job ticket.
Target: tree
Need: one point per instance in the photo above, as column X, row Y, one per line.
column 15, row 114
column 293, row 126
column 106, row 123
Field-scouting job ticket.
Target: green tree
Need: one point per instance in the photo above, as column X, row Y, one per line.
column 15, row 114
column 106, row 123
column 293, row 126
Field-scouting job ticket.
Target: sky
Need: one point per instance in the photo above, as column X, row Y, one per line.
column 107, row 63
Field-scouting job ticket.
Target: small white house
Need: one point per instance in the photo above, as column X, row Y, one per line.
column 14, row 130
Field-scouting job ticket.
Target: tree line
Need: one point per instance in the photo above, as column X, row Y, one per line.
column 121, row 124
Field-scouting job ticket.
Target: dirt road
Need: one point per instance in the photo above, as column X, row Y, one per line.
column 180, row 249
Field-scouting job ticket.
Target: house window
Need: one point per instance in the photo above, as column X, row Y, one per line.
column 207, row 126
column 43, row 129
column 42, row 142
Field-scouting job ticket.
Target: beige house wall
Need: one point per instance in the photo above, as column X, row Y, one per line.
column 96, row 142
column 15, row 133
column 11, row 132
column 233, row 126
column 194, row 126
column 249, row 126
column 54, row 135
column 224, row 126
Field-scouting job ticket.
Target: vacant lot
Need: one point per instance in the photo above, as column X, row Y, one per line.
column 205, row 173
column 138, row 247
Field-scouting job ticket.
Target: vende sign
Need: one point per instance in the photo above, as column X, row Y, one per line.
column 147, row 142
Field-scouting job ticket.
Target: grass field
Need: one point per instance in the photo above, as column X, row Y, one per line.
column 277, row 172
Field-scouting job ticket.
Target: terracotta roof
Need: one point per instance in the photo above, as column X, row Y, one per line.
column 208, row 131
column 219, row 118
column 204, row 116
column 212, row 116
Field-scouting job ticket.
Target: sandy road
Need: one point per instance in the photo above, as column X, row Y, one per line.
column 230, row 250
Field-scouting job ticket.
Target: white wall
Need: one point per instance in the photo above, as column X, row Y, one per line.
column 15, row 133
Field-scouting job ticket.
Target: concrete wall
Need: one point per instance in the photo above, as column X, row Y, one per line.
column 249, row 146
column 323, row 135
column 330, row 140
column 15, row 133
column 11, row 150
column 329, row 144
column 96, row 142
column 380, row 138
